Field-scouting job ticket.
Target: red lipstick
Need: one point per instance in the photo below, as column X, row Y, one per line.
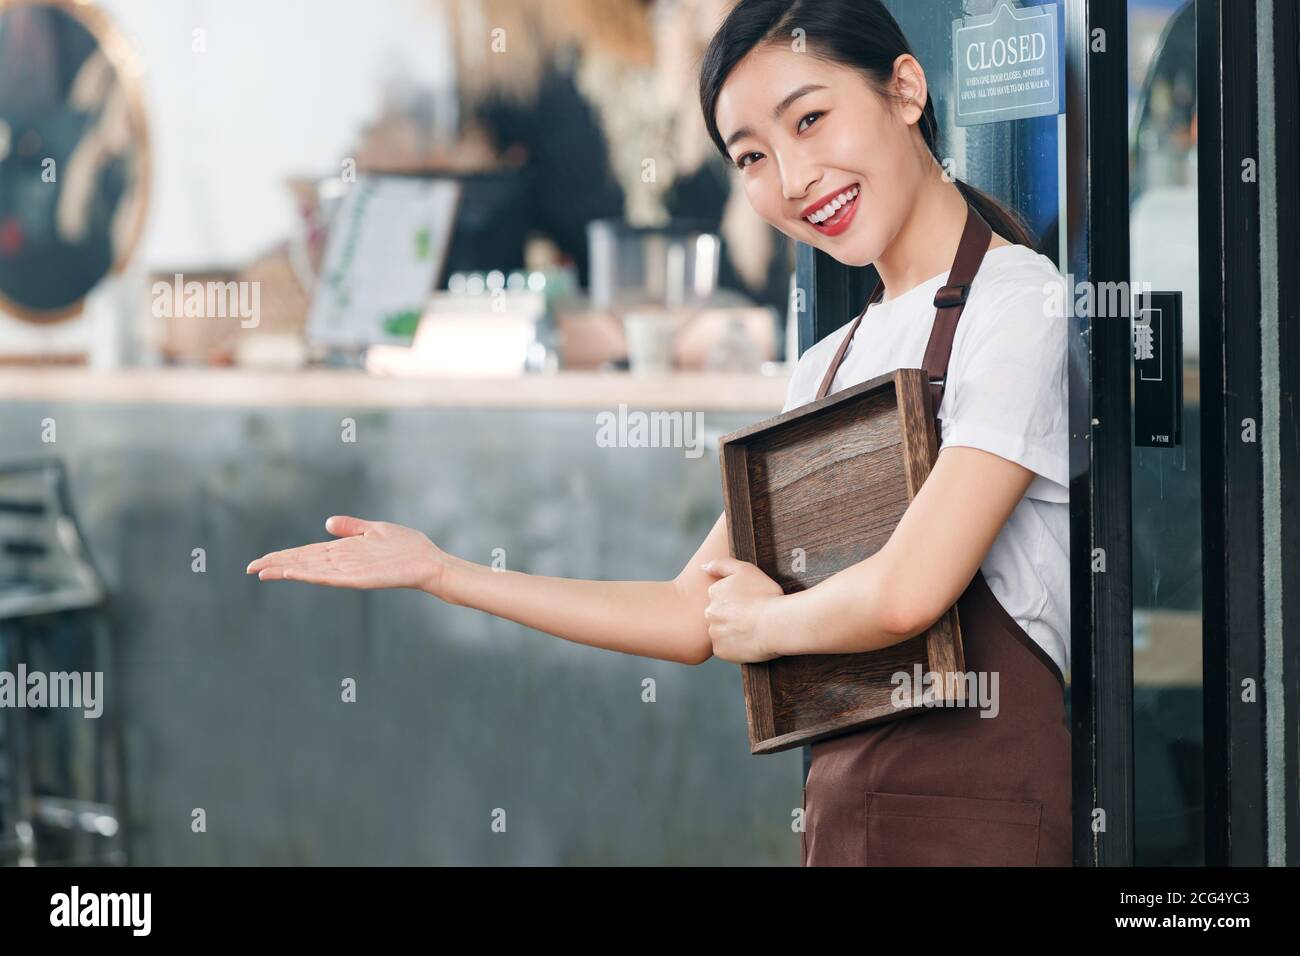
column 838, row 221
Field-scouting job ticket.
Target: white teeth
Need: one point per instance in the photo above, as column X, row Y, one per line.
column 828, row 210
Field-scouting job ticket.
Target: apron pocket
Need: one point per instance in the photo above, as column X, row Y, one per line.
column 913, row 829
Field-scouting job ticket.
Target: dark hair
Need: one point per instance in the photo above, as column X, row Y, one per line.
column 860, row 34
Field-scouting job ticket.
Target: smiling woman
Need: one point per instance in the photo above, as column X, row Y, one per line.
column 827, row 117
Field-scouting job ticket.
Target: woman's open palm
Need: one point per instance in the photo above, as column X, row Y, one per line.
column 366, row 554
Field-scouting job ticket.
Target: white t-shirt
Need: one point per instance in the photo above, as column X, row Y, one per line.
column 1006, row 393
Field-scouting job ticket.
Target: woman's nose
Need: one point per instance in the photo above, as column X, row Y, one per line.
column 798, row 183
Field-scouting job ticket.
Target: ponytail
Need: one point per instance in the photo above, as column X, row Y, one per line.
column 1000, row 218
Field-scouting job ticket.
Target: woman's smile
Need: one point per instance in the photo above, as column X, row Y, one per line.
column 831, row 214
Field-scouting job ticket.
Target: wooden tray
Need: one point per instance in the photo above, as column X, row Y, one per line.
column 833, row 478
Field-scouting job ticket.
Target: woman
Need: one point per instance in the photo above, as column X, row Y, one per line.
column 822, row 109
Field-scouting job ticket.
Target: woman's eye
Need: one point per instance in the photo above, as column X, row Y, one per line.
column 801, row 122
column 741, row 164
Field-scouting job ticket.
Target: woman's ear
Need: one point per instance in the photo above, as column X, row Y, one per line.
column 910, row 86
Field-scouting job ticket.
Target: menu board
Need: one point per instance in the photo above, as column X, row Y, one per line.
column 387, row 243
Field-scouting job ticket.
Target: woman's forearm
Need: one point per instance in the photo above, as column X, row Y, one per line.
column 920, row 573
column 646, row 618
column 848, row 612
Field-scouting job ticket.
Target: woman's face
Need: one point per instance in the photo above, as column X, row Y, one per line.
column 814, row 134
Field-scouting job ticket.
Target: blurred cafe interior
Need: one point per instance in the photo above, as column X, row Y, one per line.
column 230, row 230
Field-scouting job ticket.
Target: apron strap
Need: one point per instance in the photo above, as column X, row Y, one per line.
column 844, row 343
column 949, row 301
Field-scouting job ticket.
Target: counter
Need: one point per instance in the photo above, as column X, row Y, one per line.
column 230, row 687
column 695, row 391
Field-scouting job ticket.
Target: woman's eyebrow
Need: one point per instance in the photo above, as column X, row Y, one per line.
column 780, row 108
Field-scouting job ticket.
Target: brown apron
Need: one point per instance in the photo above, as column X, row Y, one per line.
column 950, row 787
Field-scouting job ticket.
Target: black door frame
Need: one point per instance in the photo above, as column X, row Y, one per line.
column 1237, row 626
column 1101, row 527
column 1286, row 102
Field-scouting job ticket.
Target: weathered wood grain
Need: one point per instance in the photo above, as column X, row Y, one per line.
column 808, row 493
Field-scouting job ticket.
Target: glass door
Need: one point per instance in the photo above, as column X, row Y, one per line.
column 1168, row 712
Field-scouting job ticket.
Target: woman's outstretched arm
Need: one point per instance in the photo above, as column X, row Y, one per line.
column 660, row 619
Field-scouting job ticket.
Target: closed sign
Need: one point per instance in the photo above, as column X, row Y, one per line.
column 1006, row 65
